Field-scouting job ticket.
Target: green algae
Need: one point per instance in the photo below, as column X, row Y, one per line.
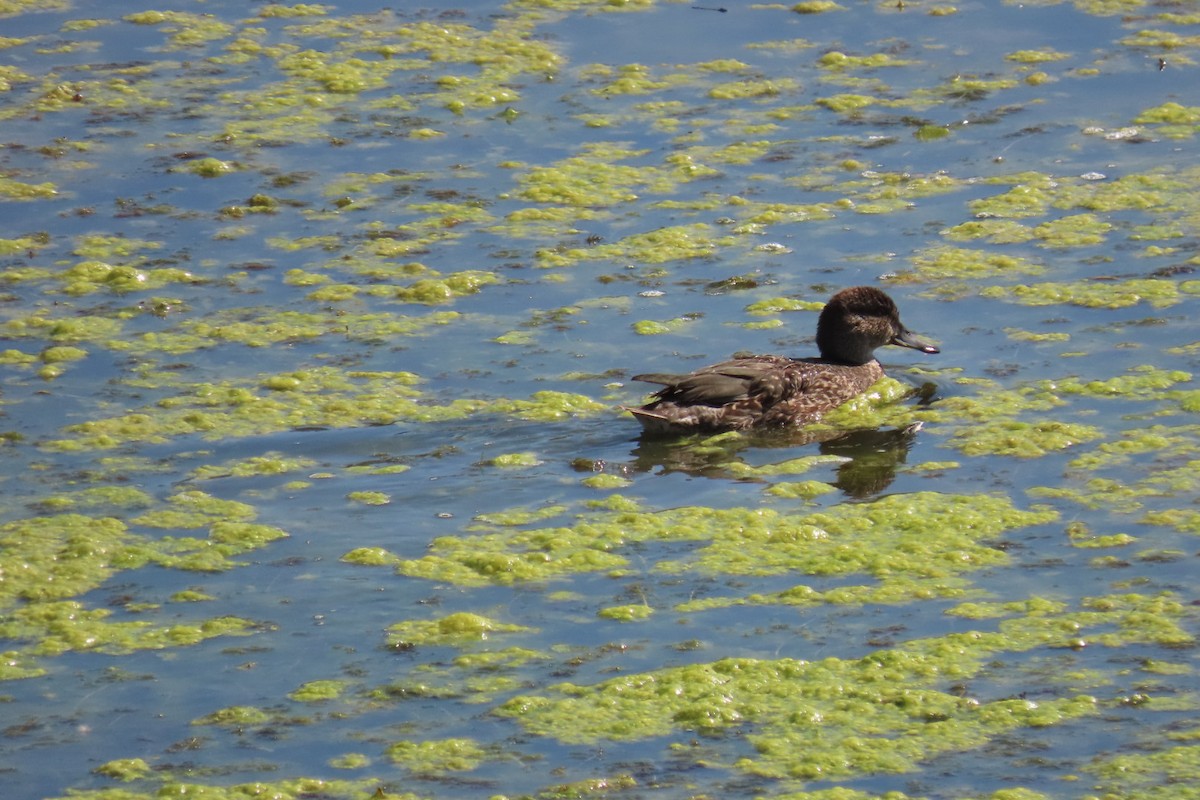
column 88, row 277
column 11, row 189
column 1090, row 294
column 943, row 263
column 1033, row 336
column 1151, row 775
column 286, row 789
column 318, row 691
column 1036, row 56
column 124, row 769
column 1173, row 120
column 185, row 29
column 520, row 516
column 627, row 613
column 606, row 482
column 792, row 466
column 514, row 460
column 47, row 560
column 1078, row 230
column 649, row 327
column 267, row 464
column 369, row 498
column 819, row 720
column 879, row 406
column 370, row 557
column 456, row 630
column 436, row 757
column 1020, row 439
column 235, row 716
column 191, row 596
column 99, row 498
column 881, row 713
column 839, row 61
column 926, row 537
column 319, row 397
column 350, row 761
column 66, row 626
column 817, row 7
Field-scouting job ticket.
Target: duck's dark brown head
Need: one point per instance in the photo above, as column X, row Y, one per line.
column 857, row 320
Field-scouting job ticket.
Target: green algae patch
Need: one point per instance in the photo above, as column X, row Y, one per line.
column 649, row 327
column 370, row 557
column 839, row 61
column 606, row 482
column 921, row 536
column 1077, row 230
column 520, row 516
column 1090, row 294
column 185, row 29
column 210, row 167
column 817, row 7
column 750, row 89
column 846, row 103
column 1142, row 382
column 628, row 613
column 350, row 761
column 673, row 243
column 792, row 466
column 828, row 719
column 60, row 556
column 777, row 305
column 1036, row 56
column 323, row 396
column 957, row 263
column 1173, row 120
column 439, row 756
column 923, row 540
column 191, row 596
column 67, row 626
column 62, row 353
column 369, row 498
column 1156, row 774
column 549, row 406
column 514, row 460
column 89, row 277
column 12, row 189
column 236, row 717
column 124, row 769
column 272, row 463
column 319, row 691
column 195, row 509
column 455, row 630
column 1017, row 335
column 1020, row 439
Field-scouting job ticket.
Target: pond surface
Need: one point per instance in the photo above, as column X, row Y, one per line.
column 317, row 320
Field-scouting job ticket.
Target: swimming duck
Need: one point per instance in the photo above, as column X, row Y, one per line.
column 765, row 391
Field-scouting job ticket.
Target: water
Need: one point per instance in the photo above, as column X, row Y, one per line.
column 224, row 379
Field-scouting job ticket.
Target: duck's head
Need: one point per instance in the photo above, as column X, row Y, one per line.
column 857, row 320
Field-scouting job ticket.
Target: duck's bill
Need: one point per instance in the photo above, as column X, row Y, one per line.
column 907, row 338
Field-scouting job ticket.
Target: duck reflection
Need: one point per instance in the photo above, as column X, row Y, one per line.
column 870, row 457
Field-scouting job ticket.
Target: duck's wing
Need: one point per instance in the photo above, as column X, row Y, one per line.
column 719, row 384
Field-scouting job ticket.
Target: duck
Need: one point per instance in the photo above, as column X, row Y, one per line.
column 773, row 391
